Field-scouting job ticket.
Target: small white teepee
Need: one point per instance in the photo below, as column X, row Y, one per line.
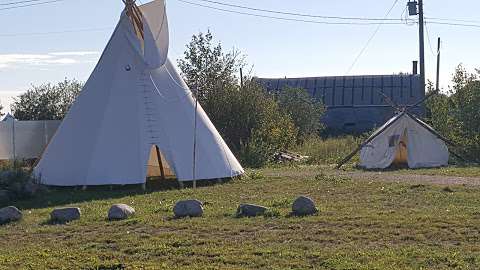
column 134, row 101
column 404, row 139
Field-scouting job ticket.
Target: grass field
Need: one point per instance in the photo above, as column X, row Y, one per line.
column 362, row 224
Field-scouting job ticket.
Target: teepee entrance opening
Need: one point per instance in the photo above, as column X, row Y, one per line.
column 158, row 166
column 401, row 156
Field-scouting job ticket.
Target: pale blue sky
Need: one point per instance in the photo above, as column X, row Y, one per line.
column 273, row 47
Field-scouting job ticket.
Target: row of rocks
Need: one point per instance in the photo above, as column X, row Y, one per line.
column 302, row 206
column 64, row 215
column 188, row 208
column 116, row 212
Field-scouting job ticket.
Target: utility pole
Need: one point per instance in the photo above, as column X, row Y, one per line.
column 416, row 8
column 422, row 45
column 438, row 66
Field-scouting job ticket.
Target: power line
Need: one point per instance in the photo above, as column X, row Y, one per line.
column 57, row 32
column 19, row 2
column 452, row 20
column 32, row 4
column 370, row 39
column 455, row 24
column 290, row 19
column 428, row 39
column 299, row 14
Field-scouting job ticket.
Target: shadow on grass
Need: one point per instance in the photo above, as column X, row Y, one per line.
column 58, row 196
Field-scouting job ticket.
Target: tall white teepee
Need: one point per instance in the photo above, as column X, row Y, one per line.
column 133, row 102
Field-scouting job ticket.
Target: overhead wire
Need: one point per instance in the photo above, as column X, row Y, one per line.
column 286, row 18
column 19, row 2
column 32, row 4
column 370, row 39
column 452, row 20
column 57, row 32
column 428, row 39
column 299, row 14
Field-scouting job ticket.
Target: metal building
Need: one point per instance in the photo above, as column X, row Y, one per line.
column 355, row 103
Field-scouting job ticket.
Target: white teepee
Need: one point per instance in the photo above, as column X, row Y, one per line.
column 404, row 139
column 135, row 100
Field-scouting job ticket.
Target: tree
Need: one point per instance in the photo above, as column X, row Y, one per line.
column 305, row 111
column 46, row 101
column 206, row 68
column 457, row 114
column 248, row 118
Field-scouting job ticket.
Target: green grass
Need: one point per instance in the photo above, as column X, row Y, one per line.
column 328, row 151
column 361, row 225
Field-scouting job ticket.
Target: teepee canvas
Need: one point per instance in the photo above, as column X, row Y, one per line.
column 133, row 102
column 407, row 140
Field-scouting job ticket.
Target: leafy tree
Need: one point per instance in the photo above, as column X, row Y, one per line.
column 206, row 67
column 47, row 101
column 305, row 111
column 457, row 114
column 249, row 119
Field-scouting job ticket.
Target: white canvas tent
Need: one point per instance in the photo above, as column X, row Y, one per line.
column 404, row 139
column 133, row 102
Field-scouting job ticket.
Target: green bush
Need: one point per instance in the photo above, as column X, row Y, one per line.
column 456, row 114
column 305, row 111
column 16, row 177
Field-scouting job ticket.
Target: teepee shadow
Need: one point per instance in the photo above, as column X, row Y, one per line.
column 59, row 196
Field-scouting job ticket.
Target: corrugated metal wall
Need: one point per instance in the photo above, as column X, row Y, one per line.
column 354, row 103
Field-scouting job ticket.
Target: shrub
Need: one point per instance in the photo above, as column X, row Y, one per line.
column 456, row 114
column 248, row 118
column 305, row 111
column 16, row 178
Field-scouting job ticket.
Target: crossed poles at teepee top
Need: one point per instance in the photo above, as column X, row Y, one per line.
column 136, row 17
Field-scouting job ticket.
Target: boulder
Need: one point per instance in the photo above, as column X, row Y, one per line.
column 304, row 206
column 188, row 208
column 4, row 196
column 10, row 214
column 64, row 215
column 250, row 210
column 120, row 211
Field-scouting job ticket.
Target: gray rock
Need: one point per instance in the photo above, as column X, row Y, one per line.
column 63, row 215
column 10, row 214
column 304, row 206
column 188, row 208
column 4, row 196
column 250, row 210
column 120, row 211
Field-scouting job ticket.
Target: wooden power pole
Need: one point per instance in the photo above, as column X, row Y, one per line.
column 422, row 45
column 437, row 88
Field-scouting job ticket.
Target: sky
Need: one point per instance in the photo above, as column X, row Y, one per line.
column 64, row 39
